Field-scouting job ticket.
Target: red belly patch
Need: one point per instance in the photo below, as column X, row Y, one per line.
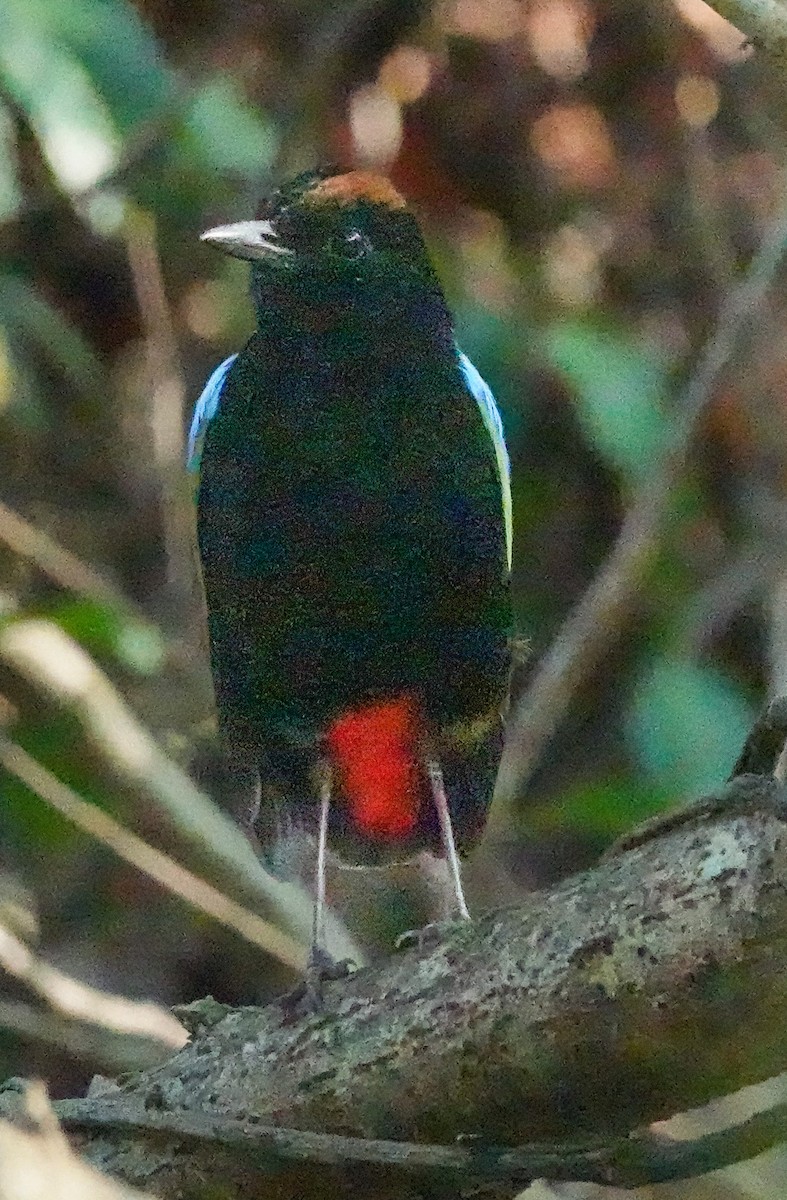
column 375, row 753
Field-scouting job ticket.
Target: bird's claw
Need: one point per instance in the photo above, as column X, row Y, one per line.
column 328, row 969
column 308, row 996
column 424, row 939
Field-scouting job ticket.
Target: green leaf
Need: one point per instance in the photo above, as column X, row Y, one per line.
column 119, row 53
column 599, row 809
column 134, row 643
column 686, row 726
column 69, row 117
column 104, row 39
column 86, row 73
column 620, row 391
column 228, row 134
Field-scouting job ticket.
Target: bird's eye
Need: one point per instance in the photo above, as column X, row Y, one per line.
column 356, row 244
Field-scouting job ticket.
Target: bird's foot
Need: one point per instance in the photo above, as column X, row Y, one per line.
column 308, row 996
column 431, row 935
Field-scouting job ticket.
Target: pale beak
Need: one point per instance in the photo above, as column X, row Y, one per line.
column 247, row 239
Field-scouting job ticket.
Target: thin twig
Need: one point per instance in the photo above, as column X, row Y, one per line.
column 59, row 564
column 63, row 674
column 763, row 21
column 167, row 389
column 82, row 1003
column 139, row 854
column 599, row 617
column 88, row 1042
column 643, row 1157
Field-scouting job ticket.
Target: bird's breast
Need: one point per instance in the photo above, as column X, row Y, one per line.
column 351, row 542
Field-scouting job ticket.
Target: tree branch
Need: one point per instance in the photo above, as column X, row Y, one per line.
column 764, row 749
column 166, row 388
column 619, row 998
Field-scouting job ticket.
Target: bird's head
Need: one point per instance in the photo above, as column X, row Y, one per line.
column 333, row 238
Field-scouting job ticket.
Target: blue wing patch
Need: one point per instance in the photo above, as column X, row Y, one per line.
column 204, row 410
column 494, row 426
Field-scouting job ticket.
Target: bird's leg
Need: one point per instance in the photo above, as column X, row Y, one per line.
column 321, row 966
column 318, row 955
column 447, row 834
column 435, row 870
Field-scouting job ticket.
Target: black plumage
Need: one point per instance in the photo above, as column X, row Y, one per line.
column 350, row 522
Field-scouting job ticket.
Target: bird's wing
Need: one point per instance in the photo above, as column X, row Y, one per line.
column 490, row 414
column 205, row 410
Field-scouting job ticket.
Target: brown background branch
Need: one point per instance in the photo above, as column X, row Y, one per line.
column 601, row 616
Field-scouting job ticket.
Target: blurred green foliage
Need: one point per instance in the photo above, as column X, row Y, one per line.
column 620, row 390
column 591, row 189
column 686, row 725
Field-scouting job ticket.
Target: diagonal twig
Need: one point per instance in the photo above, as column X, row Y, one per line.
column 87, row 1041
column 60, row 673
column 59, row 564
column 132, row 849
column 80, row 1002
column 599, row 617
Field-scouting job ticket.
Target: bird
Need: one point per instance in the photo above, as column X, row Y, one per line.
column 354, row 527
